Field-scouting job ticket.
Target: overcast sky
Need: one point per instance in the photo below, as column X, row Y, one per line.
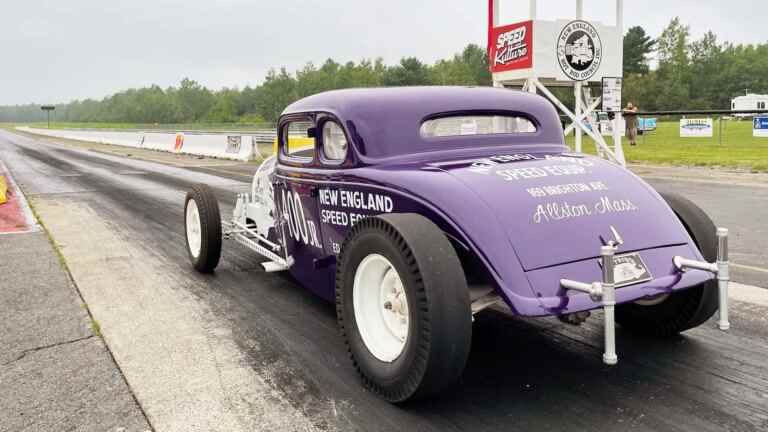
column 56, row 51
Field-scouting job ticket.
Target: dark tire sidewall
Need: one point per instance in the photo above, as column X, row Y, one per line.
column 210, row 228
column 687, row 308
column 440, row 333
column 390, row 376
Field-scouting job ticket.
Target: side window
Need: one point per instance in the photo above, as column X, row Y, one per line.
column 334, row 142
column 298, row 138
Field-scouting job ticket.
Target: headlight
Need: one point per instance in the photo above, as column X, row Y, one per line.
column 334, row 141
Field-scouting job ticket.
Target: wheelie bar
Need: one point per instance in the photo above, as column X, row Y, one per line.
column 719, row 268
column 604, row 292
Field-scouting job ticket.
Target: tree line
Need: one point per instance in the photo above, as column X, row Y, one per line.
column 690, row 73
column 686, row 74
column 190, row 102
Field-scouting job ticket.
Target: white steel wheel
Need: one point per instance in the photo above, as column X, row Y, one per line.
column 194, row 234
column 381, row 307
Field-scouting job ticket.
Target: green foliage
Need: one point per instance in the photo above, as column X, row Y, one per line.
column 410, row 72
column 689, row 74
column 252, row 119
column 224, row 108
column 470, row 67
column 190, row 102
column 637, row 47
column 695, row 74
column 737, row 148
column 277, row 92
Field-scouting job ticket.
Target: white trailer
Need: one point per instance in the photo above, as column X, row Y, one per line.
column 750, row 101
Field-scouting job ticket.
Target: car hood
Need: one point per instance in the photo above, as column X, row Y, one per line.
column 555, row 209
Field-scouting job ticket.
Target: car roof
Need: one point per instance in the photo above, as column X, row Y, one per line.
column 386, row 121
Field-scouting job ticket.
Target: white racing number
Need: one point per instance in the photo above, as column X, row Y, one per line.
column 300, row 227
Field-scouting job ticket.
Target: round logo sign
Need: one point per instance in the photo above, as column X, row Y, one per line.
column 579, row 50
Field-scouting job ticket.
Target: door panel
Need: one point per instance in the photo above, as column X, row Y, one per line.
column 297, row 207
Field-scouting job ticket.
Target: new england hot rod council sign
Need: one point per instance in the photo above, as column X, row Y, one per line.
column 512, row 47
column 579, row 50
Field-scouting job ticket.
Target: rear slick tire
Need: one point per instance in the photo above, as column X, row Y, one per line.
column 684, row 309
column 202, row 222
column 409, row 250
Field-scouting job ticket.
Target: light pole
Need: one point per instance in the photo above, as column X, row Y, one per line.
column 48, row 109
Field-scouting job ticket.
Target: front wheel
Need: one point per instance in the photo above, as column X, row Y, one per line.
column 202, row 221
column 403, row 306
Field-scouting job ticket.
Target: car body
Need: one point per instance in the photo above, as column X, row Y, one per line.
column 525, row 208
column 489, row 169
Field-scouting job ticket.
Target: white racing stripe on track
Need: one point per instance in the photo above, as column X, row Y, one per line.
column 749, row 267
column 748, row 294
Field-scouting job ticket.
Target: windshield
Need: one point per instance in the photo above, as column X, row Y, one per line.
column 476, row 125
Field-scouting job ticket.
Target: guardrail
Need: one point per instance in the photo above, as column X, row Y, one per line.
column 226, row 145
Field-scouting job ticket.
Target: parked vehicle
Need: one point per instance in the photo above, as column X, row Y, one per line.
column 750, row 101
column 414, row 209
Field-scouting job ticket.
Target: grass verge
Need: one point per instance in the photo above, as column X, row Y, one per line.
column 732, row 147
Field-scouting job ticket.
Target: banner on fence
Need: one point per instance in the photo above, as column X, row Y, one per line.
column 234, row 143
column 696, row 127
column 179, row 142
column 646, row 124
column 760, row 127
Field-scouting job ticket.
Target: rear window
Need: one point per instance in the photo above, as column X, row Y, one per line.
column 476, row 125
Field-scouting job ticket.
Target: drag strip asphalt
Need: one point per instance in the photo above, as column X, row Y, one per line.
column 740, row 208
column 247, row 350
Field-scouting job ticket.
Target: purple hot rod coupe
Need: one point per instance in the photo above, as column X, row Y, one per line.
column 415, row 208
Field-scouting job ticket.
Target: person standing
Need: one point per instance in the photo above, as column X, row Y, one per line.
column 630, row 117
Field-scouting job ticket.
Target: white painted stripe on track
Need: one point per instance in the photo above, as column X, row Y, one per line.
column 749, row 267
column 702, row 181
column 748, row 294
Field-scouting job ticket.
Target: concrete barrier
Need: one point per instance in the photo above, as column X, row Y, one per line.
column 243, row 146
